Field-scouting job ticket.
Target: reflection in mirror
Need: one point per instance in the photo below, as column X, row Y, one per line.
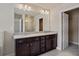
column 41, row 24
column 30, row 20
column 18, row 23
column 29, row 23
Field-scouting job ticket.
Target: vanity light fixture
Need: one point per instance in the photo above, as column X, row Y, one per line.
column 42, row 11
column 47, row 12
column 24, row 7
column 29, row 8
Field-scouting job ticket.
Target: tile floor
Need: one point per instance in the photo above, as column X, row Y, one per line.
column 72, row 50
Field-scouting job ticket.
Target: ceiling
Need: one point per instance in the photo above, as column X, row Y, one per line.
column 48, row 5
column 52, row 5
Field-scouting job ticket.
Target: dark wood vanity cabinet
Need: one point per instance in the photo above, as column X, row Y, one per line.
column 54, row 41
column 22, row 47
column 42, row 44
column 35, row 45
column 48, row 43
column 27, row 46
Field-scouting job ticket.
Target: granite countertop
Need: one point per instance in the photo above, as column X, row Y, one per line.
column 32, row 34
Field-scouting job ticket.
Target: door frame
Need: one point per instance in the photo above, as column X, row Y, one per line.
column 63, row 31
column 62, row 43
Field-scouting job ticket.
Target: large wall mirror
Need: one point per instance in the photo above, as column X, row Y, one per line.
column 30, row 21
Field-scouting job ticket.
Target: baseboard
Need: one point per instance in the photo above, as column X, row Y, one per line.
column 58, row 48
column 76, row 43
column 10, row 54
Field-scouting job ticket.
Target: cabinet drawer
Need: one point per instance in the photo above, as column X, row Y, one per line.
column 42, row 45
column 47, row 37
column 42, row 41
column 20, row 41
column 53, row 36
column 34, row 39
column 42, row 38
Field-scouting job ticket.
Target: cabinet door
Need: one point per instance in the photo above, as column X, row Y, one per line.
column 48, row 43
column 35, row 46
column 54, row 41
column 22, row 48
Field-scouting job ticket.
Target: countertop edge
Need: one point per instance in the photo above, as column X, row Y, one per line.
column 32, row 35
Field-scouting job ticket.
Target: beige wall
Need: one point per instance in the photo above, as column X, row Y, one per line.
column 1, row 43
column 6, row 22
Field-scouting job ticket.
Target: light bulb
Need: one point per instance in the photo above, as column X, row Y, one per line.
column 29, row 8
column 25, row 7
column 42, row 11
column 46, row 12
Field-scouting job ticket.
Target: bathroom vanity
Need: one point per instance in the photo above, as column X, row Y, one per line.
column 32, row 44
column 32, row 32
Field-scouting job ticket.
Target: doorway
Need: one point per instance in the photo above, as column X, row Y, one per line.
column 71, row 29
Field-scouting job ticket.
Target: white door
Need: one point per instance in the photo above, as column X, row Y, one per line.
column 65, row 30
